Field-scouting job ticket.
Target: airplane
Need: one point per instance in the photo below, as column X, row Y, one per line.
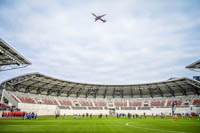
column 99, row 17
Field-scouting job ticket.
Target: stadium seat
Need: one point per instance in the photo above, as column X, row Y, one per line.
column 157, row 103
column 135, row 103
column 196, row 102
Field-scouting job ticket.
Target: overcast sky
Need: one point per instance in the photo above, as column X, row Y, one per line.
column 142, row 40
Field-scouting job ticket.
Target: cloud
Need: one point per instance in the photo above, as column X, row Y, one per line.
column 142, row 41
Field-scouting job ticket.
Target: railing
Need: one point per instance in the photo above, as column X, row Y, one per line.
column 57, row 101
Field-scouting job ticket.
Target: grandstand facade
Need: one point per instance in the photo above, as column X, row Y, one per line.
column 46, row 95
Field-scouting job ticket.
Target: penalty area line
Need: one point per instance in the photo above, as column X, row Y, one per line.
column 127, row 124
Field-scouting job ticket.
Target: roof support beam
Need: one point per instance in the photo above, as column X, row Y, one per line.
column 122, row 93
column 194, row 83
column 141, row 94
column 170, row 90
column 132, row 93
column 16, row 87
column 5, row 59
column 78, row 92
column 49, row 92
column 150, row 92
column 70, row 91
column 161, row 92
column 32, row 83
column 40, row 88
column 51, row 82
column 113, row 93
column 182, row 90
column 60, row 90
column 105, row 93
column 96, row 91
column 195, row 89
column 27, row 89
column 22, row 79
column 58, row 93
column 88, row 92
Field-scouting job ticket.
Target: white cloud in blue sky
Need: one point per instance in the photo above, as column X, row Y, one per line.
column 142, row 40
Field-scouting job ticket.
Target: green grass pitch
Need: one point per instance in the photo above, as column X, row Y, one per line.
column 96, row 125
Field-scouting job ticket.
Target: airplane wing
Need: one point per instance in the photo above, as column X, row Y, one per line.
column 103, row 15
column 103, row 20
column 94, row 15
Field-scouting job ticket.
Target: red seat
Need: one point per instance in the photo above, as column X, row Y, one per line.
column 157, row 103
column 100, row 103
column 135, row 103
column 121, row 104
column 85, row 103
column 196, row 102
column 65, row 102
column 179, row 102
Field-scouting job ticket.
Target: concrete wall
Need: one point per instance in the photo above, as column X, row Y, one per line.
column 40, row 109
column 94, row 112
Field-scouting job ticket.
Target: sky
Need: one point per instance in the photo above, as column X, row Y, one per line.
column 142, row 41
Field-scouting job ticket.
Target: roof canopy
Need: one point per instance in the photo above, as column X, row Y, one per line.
column 10, row 59
column 194, row 66
column 37, row 83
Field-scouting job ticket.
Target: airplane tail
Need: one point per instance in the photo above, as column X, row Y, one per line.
column 104, row 21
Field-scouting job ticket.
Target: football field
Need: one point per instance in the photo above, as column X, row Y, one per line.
column 103, row 125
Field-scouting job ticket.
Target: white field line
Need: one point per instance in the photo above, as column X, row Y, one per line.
column 127, row 124
column 61, row 125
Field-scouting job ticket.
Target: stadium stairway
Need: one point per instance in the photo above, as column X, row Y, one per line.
column 9, row 98
column 57, row 101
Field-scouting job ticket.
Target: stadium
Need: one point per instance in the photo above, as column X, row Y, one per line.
column 49, row 96
column 146, row 43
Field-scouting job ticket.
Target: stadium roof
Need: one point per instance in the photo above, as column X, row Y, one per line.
column 194, row 66
column 37, row 83
column 10, row 59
